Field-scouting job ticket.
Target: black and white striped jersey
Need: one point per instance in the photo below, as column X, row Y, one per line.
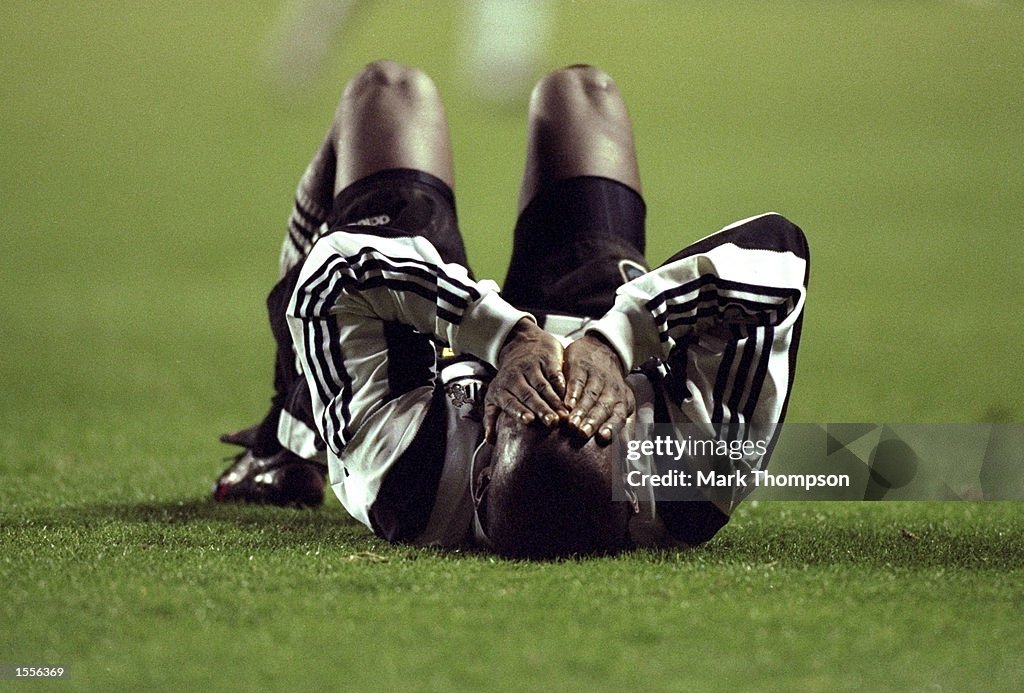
column 724, row 314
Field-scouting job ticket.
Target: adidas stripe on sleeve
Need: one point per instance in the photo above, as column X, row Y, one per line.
column 725, row 313
column 350, row 286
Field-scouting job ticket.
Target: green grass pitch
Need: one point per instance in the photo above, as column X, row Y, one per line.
column 146, row 171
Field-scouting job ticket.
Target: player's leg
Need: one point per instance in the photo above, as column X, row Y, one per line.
column 394, row 176
column 580, row 232
column 390, row 118
column 393, row 157
column 578, row 126
column 386, row 159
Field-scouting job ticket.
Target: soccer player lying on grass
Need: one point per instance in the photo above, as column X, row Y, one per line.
column 450, row 413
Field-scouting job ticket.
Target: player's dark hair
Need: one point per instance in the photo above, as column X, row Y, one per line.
column 555, row 501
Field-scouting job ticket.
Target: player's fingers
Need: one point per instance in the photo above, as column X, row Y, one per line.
column 553, row 375
column 618, row 417
column 540, row 384
column 510, row 403
column 598, row 415
column 575, row 388
column 611, row 406
column 582, row 412
column 529, row 398
column 580, row 381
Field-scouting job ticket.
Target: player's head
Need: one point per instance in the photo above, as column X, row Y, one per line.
column 550, row 494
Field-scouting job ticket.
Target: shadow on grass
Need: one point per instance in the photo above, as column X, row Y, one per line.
column 202, row 510
column 195, row 516
column 986, row 536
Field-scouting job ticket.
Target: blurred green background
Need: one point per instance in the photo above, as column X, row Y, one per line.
column 148, row 160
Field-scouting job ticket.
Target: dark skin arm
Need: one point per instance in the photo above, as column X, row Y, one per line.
column 529, row 384
column 597, row 393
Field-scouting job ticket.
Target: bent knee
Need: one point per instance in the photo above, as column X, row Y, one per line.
column 577, row 85
column 392, row 78
column 586, row 78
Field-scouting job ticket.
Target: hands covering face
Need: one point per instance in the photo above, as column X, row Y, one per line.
column 539, row 381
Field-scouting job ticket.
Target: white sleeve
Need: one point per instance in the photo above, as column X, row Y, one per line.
column 725, row 313
column 350, row 285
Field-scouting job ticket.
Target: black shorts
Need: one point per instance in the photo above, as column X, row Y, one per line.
column 574, row 244
column 403, row 202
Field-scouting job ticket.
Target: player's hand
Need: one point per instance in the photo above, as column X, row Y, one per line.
column 529, row 384
column 597, row 393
